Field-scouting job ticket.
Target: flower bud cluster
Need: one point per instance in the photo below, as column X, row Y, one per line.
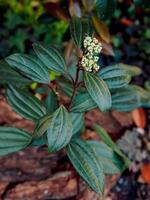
column 90, row 58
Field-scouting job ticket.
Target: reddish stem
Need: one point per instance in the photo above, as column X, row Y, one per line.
column 75, row 86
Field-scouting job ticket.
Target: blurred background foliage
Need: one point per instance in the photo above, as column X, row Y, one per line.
column 20, row 26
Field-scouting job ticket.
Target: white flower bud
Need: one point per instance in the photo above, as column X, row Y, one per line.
column 95, row 40
column 96, row 58
column 89, row 60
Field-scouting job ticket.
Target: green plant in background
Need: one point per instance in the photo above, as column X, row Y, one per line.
column 60, row 123
column 20, row 27
column 135, row 23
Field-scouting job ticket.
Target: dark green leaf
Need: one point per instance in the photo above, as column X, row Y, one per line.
column 25, row 104
column 87, row 28
column 59, row 131
column 126, row 99
column 98, row 91
column 76, row 31
column 85, row 161
column 115, row 76
column 107, row 139
column 30, row 66
column 143, row 96
column 105, row 8
column 12, row 140
column 51, row 57
column 82, row 103
column 104, row 136
column 147, row 85
column 18, row 40
column 10, row 76
column 77, row 120
column 42, row 126
column 72, row 71
column 131, row 69
column 112, row 163
column 39, row 141
column 66, row 88
column 79, row 28
column 51, row 103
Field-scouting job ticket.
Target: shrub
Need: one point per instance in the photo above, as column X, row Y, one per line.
column 59, row 124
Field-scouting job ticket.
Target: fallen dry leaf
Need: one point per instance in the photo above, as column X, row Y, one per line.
column 126, row 22
column 139, row 117
column 145, row 172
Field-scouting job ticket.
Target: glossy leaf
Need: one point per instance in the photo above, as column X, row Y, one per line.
column 59, row 131
column 77, row 120
column 105, row 8
column 142, row 93
column 37, row 142
column 112, row 164
column 51, row 57
column 107, row 139
column 30, row 66
column 98, row 91
column 42, row 126
column 126, row 99
column 147, row 85
column 87, row 28
column 72, row 71
column 104, row 136
column 25, row 104
column 50, row 102
column 79, row 28
column 10, row 76
column 84, row 160
column 66, row 88
column 76, row 31
column 82, row 103
column 115, row 76
column 144, row 96
column 131, row 69
column 13, row 139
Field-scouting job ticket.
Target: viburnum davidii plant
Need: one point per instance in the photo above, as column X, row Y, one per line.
column 59, row 123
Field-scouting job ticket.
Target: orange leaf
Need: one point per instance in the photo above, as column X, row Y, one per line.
column 139, row 117
column 145, row 172
column 126, row 22
column 101, row 29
